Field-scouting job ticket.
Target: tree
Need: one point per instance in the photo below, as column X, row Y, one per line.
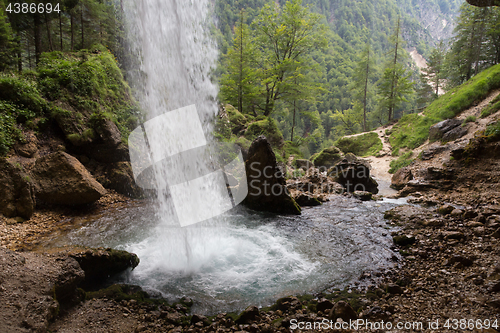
column 238, row 85
column 7, row 42
column 434, row 73
column 395, row 82
column 361, row 82
column 285, row 36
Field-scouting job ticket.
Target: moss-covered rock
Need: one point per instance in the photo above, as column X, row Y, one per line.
column 328, row 157
column 267, row 127
column 366, row 144
column 100, row 264
column 237, row 120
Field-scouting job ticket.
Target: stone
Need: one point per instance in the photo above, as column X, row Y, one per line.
column 196, row 318
column 401, row 178
column 437, row 131
column 354, row 175
column 17, row 197
column 459, row 259
column 394, row 289
column 362, row 195
column 454, row 134
column 328, row 157
column 99, row 264
column 61, row 179
column 266, row 183
column 456, row 212
column 119, row 177
column 248, row 315
column 324, row 305
column 403, row 240
column 305, row 199
column 453, row 235
column 445, row 209
column 344, row 311
column 304, row 164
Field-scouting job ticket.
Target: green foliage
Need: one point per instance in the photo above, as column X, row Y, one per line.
column 90, row 84
column 401, row 162
column 492, row 107
column 493, row 131
column 22, row 92
column 412, row 130
column 9, row 132
column 469, row 119
column 367, row 144
column 267, row 127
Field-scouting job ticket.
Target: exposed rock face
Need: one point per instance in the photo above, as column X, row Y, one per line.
column 62, row 179
column 108, row 146
column 484, row 3
column 120, row 178
column 353, row 175
column 439, row 130
column 32, row 288
column 401, row 178
column 17, row 192
column 266, row 182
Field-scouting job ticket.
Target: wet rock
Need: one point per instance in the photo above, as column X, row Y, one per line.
column 445, row 209
column 401, row 178
column 404, row 240
column 120, row 178
column 453, row 235
column 99, row 264
column 17, row 195
column 62, row 179
column 456, row 212
column 266, row 183
column 196, row 318
column 461, row 260
column 305, row 199
column 354, row 175
column 324, row 305
column 247, row 316
column 362, row 195
column 344, row 311
column 394, row 289
column 437, row 131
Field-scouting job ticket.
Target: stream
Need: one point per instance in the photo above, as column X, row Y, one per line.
column 244, row 257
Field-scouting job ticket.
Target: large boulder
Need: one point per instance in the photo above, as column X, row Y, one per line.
column 354, row 175
column 107, row 146
column 437, row 131
column 328, row 157
column 119, row 177
column 61, row 179
column 401, row 178
column 266, row 183
column 17, row 196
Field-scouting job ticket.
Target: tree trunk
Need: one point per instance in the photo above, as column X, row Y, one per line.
column 81, row 19
column 38, row 37
column 47, row 24
column 240, row 83
column 60, row 31
column 19, row 54
column 72, row 23
column 366, row 90
column 293, row 121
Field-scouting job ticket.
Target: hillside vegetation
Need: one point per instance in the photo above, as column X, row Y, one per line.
column 76, row 90
column 412, row 130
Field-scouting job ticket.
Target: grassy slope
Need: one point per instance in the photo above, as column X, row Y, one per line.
column 412, row 130
column 367, row 144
